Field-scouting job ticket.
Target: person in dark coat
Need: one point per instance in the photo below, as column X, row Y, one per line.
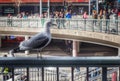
column 107, row 17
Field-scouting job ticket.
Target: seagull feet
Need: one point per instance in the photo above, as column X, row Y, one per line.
column 39, row 55
column 11, row 54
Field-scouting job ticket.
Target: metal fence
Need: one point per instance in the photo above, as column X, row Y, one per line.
column 94, row 25
column 61, row 68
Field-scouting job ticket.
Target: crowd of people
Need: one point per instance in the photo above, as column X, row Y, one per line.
column 67, row 14
column 62, row 14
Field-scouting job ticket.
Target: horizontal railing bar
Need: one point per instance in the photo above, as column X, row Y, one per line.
column 32, row 19
column 60, row 62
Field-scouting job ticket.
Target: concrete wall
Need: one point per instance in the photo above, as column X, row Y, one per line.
column 99, row 38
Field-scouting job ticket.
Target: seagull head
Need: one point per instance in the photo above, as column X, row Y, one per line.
column 48, row 23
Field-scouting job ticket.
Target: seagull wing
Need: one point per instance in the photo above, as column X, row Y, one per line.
column 36, row 42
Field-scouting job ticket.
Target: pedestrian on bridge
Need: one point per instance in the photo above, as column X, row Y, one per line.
column 100, row 17
column 85, row 16
column 62, row 20
column 9, row 20
column 68, row 16
column 95, row 17
column 107, row 19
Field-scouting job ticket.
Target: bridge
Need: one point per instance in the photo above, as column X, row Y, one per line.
column 96, row 37
column 90, row 30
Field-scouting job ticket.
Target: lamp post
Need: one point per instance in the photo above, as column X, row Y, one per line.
column 48, row 8
column 97, row 6
column 40, row 7
column 89, row 6
column 118, row 3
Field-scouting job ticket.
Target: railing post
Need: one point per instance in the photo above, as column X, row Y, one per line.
column 13, row 74
column 11, row 21
column 69, row 23
column 84, row 24
column 21, row 22
column 29, row 23
column 100, row 24
column 94, row 22
column 27, row 73
column 72, row 74
column 118, row 73
column 42, row 73
column 108, row 25
column 57, row 73
column 6, row 24
column 87, row 73
column 117, row 29
column 104, row 73
column 77, row 24
column 37, row 22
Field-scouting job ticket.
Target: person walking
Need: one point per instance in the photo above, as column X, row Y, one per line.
column 94, row 17
column 61, row 16
column 9, row 20
column 68, row 46
column 57, row 20
column 107, row 17
column 68, row 16
column 100, row 16
column 85, row 16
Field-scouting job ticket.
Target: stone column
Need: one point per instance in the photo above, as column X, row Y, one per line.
column 78, row 46
column 75, row 53
column 26, row 38
column 119, row 51
column 75, row 48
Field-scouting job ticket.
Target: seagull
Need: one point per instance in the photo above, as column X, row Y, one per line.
column 36, row 42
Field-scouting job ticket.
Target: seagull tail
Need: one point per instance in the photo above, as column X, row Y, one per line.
column 11, row 52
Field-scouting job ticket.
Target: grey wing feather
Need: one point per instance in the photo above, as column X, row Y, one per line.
column 35, row 41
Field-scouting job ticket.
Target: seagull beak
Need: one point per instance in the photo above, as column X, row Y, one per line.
column 53, row 24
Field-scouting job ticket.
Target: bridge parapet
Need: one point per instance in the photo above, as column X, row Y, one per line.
column 94, row 25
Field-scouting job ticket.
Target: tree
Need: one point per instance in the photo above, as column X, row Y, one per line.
column 17, row 3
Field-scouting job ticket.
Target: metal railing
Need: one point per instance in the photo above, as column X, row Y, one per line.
column 94, row 25
column 59, row 68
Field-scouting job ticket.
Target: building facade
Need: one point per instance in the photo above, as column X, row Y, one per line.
column 33, row 6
